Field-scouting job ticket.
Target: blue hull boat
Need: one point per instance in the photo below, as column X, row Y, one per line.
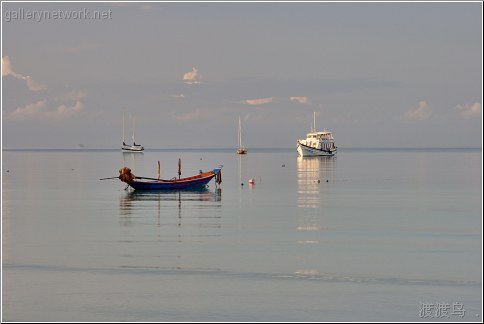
column 198, row 181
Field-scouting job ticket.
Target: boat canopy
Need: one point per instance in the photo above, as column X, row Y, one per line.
column 319, row 134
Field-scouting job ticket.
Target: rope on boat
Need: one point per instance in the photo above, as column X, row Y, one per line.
column 125, row 175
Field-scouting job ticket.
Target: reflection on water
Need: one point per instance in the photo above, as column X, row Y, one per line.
column 314, row 174
column 132, row 159
column 167, row 229
column 167, row 205
column 242, row 167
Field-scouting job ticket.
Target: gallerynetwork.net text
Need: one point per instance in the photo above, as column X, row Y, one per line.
column 41, row 15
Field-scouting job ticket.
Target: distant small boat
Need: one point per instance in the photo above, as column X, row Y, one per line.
column 198, row 181
column 241, row 149
column 131, row 148
column 317, row 143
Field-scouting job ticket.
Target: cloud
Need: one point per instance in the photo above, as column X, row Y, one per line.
column 192, row 77
column 422, row 112
column 303, row 100
column 469, row 111
column 6, row 66
column 186, row 117
column 29, row 111
column 60, row 107
column 8, row 70
column 40, row 109
column 240, row 89
column 260, row 101
column 32, row 85
column 64, row 110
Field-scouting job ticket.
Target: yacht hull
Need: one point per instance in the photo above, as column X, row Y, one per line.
column 304, row 150
column 132, row 148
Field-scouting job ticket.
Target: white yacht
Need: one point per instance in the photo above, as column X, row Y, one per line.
column 317, row 143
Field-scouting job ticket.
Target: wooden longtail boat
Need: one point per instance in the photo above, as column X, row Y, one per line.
column 198, row 181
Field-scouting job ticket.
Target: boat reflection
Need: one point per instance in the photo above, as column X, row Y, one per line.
column 176, row 195
column 138, row 205
column 315, row 179
column 314, row 175
column 132, row 159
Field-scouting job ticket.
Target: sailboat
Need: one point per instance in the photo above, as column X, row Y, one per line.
column 131, row 148
column 241, row 149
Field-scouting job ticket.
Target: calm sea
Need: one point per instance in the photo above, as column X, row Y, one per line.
column 368, row 235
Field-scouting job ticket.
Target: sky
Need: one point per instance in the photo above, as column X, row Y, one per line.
column 377, row 74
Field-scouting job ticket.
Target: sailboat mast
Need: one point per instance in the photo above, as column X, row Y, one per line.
column 134, row 126
column 240, row 133
column 123, row 127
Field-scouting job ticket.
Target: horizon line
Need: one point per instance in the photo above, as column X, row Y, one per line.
column 100, row 148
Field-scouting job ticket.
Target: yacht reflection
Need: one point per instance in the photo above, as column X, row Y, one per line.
column 132, row 159
column 314, row 174
column 133, row 205
column 315, row 178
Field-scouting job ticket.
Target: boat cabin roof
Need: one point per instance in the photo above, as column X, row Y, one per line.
column 317, row 134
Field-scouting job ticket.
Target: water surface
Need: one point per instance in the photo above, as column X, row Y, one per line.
column 367, row 235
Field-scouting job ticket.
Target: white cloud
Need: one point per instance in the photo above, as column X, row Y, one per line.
column 185, row 117
column 8, row 70
column 260, row 101
column 303, row 100
column 422, row 112
column 32, row 85
column 192, row 77
column 469, row 111
column 31, row 110
column 58, row 108
column 6, row 66
column 64, row 110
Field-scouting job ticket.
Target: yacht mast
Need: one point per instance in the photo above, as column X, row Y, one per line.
column 314, row 121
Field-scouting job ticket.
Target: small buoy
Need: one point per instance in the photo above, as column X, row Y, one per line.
column 251, row 181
